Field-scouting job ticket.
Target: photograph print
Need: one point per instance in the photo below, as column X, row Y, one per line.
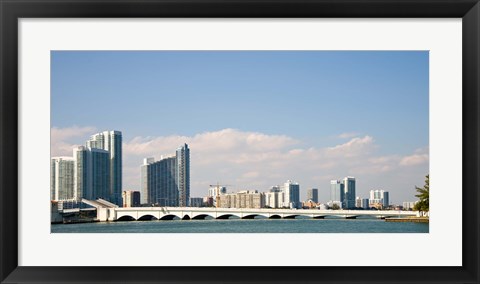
column 230, row 141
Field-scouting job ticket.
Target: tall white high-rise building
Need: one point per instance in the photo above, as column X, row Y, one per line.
column 379, row 197
column 91, row 173
column 337, row 193
column 111, row 141
column 159, row 185
column 62, row 178
column 167, row 182
column 291, row 194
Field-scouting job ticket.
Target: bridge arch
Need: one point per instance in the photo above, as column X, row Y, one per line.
column 169, row 217
column 275, row 216
column 201, row 217
column 227, row 216
column 186, row 217
column 290, row 216
column 250, row 216
column 126, row 218
column 254, row 216
column 147, row 217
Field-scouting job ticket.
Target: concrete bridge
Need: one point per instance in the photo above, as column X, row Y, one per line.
column 194, row 213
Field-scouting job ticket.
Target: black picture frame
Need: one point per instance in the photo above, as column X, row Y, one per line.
column 12, row 10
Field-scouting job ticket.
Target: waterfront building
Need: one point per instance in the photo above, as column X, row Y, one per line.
column 216, row 190
column 291, row 197
column 312, row 194
column 337, row 193
column 131, row 198
column 196, row 202
column 183, row 175
column 365, row 203
column 55, row 216
column 71, row 204
column 91, row 173
column 275, row 188
column 386, row 199
column 408, row 205
column 310, row 204
column 242, row 199
column 111, row 141
column 274, row 199
column 167, row 182
column 362, row 203
column 227, row 200
column 379, row 199
column 323, row 206
column 358, row 202
column 158, row 179
column 208, row 201
column 349, row 188
column 62, row 178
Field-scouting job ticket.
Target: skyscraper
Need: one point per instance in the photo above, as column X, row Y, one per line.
column 312, row 194
column 291, row 197
column 379, row 198
column 159, row 184
column 167, row 182
column 337, row 193
column 62, row 178
column 91, row 173
column 349, row 185
column 183, row 175
column 111, row 141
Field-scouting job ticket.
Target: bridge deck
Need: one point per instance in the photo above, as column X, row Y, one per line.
column 224, row 213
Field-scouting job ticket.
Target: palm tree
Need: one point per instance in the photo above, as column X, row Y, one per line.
column 423, row 196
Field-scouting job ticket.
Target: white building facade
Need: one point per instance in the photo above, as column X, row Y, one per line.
column 62, row 170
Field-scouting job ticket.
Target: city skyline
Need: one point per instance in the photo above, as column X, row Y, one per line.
column 254, row 119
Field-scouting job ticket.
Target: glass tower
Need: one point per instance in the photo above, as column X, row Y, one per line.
column 337, row 192
column 92, row 173
column 312, row 194
column 183, row 175
column 111, row 141
column 349, row 185
column 159, row 185
column 167, row 182
column 291, row 194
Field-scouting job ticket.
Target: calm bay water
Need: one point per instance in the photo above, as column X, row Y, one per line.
column 246, row 226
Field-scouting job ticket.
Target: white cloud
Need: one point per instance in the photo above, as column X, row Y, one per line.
column 64, row 139
column 414, row 159
column 355, row 147
column 252, row 160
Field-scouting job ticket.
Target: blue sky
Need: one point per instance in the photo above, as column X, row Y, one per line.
column 310, row 97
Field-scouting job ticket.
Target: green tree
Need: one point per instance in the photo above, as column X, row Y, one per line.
column 335, row 206
column 423, row 196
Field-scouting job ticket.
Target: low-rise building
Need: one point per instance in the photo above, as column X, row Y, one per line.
column 196, row 202
column 409, row 205
column 310, row 204
column 208, row 201
column 131, row 198
column 242, row 199
column 274, row 199
column 379, row 199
